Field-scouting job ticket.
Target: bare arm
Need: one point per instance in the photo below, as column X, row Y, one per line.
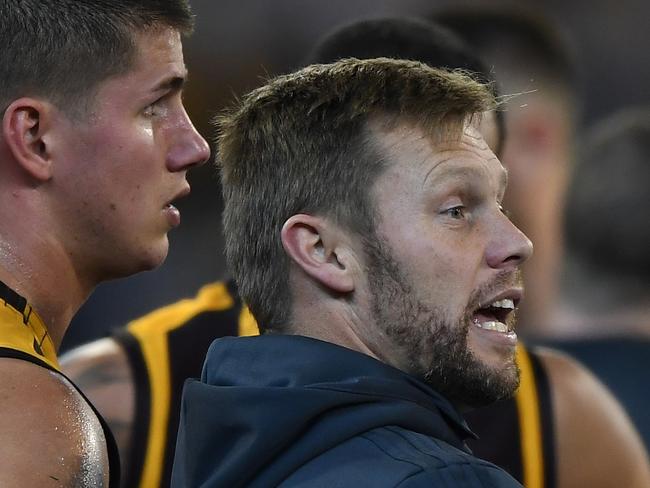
column 101, row 370
column 597, row 445
column 50, row 436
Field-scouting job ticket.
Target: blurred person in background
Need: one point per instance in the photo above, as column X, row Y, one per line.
column 138, row 374
column 605, row 315
column 529, row 59
column 95, row 145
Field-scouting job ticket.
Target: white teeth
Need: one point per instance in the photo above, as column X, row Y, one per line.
column 493, row 325
column 505, row 303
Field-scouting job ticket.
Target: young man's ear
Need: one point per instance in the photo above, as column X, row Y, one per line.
column 315, row 245
column 24, row 125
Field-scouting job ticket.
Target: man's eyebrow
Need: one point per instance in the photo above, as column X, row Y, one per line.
column 172, row 84
column 452, row 171
column 460, row 172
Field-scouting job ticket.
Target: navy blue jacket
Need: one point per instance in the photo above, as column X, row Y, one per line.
column 290, row 411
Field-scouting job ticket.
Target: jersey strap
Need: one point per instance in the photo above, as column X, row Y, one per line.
column 164, row 348
column 535, row 422
column 22, row 329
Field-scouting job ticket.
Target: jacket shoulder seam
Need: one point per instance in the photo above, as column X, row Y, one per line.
column 392, row 456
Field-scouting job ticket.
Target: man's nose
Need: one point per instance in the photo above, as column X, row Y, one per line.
column 509, row 247
column 190, row 149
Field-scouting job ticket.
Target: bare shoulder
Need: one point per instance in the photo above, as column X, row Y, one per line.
column 101, row 370
column 50, row 435
column 597, row 444
column 102, row 356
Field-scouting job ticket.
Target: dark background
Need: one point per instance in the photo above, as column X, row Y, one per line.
column 239, row 43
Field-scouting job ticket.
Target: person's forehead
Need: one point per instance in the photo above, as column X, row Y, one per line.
column 158, row 66
column 456, row 157
column 408, row 136
column 465, row 169
column 162, row 45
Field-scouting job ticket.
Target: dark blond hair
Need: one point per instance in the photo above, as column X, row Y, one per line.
column 302, row 144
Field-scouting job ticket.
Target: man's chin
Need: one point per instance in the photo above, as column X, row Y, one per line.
column 476, row 384
column 491, row 386
column 138, row 259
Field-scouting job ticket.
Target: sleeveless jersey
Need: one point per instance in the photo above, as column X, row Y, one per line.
column 23, row 336
column 169, row 345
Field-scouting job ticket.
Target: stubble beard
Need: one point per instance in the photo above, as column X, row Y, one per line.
column 435, row 346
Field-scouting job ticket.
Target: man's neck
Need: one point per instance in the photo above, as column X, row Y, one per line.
column 45, row 277
column 341, row 325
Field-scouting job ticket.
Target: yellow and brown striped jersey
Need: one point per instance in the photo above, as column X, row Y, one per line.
column 23, row 335
column 169, row 345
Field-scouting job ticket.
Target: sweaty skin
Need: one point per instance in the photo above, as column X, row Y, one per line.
column 69, row 446
column 101, row 370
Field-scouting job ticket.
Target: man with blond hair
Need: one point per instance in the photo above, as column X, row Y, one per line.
column 364, row 227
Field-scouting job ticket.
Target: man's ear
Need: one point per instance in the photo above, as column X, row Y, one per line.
column 315, row 244
column 24, row 125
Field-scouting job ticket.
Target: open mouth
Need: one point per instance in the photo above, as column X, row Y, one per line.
column 497, row 316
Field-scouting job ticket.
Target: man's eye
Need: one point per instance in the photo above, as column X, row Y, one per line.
column 457, row 212
column 504, row 211
column 150, row 110
column 153, row 109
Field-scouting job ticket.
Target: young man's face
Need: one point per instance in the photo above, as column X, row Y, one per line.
column 120, row 167
column 443, row 269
